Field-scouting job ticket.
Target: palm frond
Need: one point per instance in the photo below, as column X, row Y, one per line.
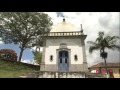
column 113, row 38
column 105, row 43
column 115, row 47
column 99, row 40
column 91, row 42
column 93, row 48
column 110, row 47
column 108, row 38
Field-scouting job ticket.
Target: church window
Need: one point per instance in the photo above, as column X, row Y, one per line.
column 51, row 58
column 75, row 58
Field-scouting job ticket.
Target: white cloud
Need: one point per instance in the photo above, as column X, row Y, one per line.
column 1, row 42
column 27, row 61
column 34, row 48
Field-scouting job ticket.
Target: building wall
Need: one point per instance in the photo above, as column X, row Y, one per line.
column 61, row 75
column 73, row 44
column 116, row 72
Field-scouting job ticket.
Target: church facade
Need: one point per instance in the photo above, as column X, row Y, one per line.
column 64, row 49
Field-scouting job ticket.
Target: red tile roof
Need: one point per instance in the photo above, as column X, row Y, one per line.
column 102, row 64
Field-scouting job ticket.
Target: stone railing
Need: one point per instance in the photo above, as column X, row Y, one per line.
column 55, row 74
column 49, row 74
column 64, row 33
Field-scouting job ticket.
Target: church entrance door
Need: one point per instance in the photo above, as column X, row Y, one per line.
column 63, row 64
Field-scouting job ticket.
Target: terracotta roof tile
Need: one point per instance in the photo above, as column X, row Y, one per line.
column 108, row 65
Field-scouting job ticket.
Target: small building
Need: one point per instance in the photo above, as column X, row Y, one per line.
column 64, row 49
column 113, row 69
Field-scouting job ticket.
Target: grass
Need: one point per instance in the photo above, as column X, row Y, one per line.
column 12, row 69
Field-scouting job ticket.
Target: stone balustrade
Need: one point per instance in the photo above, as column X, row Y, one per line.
column 49, row 74
column 77, row 33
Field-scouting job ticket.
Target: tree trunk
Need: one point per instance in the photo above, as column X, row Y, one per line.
column 106, row 65
column 39, row 49
column 40, row 53
column 104, row 55
column 100, row 71
column 21, row 52
column 36, row 48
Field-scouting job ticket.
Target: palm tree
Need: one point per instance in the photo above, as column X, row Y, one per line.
column 104, row 42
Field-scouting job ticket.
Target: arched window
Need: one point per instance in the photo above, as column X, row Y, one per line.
column 75, row 57
column 51, row 58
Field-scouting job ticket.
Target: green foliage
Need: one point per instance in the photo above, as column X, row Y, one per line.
column 37, row 56
column 38, row 43
column 24, row 28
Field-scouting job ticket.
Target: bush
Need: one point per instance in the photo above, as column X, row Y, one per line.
column 8, row 54
column 37, row 56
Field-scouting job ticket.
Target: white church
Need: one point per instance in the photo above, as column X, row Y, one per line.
column 64, row 53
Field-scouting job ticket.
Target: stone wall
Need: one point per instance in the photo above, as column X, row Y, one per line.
column 47, row 74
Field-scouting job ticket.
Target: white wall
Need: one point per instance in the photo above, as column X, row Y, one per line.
column 73, row 44
column 76, row 50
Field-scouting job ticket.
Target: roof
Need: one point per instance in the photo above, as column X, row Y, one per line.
column 102, row 64
column 64, row 26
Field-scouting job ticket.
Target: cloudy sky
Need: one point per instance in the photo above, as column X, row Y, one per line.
column 92, row 23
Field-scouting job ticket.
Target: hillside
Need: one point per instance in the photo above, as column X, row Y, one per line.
column 12, row 69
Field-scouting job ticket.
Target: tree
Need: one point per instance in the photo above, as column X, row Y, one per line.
column 37, row 56
column 104, row 42
column 23, row 27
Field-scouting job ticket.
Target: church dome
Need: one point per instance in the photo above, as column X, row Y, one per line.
column 64, row 26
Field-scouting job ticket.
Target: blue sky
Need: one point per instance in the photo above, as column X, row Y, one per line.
column 92, row 23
